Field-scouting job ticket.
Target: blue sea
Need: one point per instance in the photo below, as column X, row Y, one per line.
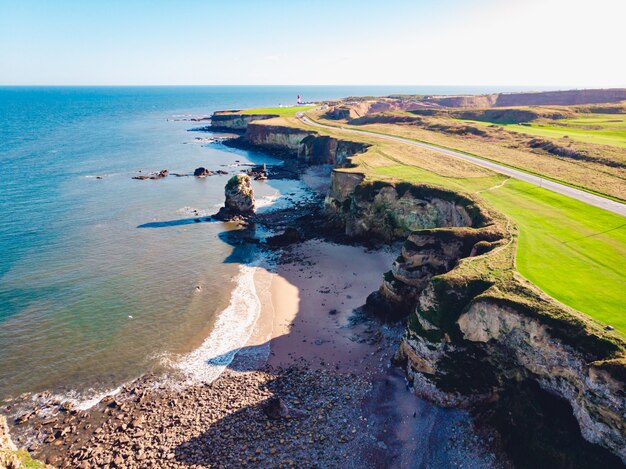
column 99, row 273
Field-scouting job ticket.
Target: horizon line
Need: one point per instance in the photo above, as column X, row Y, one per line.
column 564, row 87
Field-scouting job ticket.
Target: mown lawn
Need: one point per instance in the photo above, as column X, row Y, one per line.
column 603, row 129
column 574, row 252
column 280, row 111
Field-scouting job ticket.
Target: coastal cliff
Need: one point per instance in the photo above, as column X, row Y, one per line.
column 306, row 146
column 476, row 330
column 235, row 120
column 474, row 326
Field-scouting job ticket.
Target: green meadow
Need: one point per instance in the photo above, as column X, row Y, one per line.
column 603, row 129
column 279, row 111
column 574, row 252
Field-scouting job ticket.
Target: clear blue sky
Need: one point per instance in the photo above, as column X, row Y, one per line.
column 423, row 42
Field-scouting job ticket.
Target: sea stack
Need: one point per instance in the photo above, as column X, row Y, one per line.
column 239, row 195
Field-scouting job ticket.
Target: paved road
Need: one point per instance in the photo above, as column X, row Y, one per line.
column 591, row 199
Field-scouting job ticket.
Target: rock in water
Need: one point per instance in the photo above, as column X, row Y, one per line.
column 239, row 194
column 202, row 172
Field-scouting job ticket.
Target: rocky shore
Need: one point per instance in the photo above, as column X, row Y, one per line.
column 326, row 395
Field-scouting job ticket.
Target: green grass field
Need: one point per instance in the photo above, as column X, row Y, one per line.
column 603, row 129
column 280, row 111
column 574, row 252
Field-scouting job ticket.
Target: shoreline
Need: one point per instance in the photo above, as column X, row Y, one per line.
column 345, row 401
column 310, row 347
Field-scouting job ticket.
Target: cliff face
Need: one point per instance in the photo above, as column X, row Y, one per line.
column 475, row 328
column 309, row 147
column 232, row 120
column 389, row 211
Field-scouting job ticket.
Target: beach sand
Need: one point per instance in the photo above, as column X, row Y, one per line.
column 307, row 308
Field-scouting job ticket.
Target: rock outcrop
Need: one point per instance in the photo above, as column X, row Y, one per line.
column 239, row 195
column 235, row 120
column 160, row 175
column 305, row 146
column 202, row 172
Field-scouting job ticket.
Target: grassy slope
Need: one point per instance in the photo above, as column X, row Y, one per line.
column 603, row 129
column 572, row 251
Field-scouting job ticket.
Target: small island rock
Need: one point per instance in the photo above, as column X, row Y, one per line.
column 202, row 172
column 239, row 194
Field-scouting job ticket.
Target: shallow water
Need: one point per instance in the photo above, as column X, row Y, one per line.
column 98, row 277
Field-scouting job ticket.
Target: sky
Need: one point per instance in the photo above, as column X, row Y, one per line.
column 562, row 43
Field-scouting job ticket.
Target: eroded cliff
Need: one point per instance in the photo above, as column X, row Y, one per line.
column 306, row 146
column 235, row 120
column 475, row 327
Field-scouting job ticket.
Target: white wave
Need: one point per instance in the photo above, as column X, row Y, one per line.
column 100, row 176
column 232, row 330
column 86, row 403
column 267, row 200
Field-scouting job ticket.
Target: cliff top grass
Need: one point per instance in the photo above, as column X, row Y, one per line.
column 279, row 111
column 603, row 129
column 572, row 251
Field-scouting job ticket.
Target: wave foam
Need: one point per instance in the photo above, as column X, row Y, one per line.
column 231, row 332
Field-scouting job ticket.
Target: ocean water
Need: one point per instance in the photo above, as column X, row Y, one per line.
column 98, row 276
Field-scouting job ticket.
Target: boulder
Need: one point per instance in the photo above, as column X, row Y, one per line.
column 276, row 408
column 202, row 172
column 239, row 195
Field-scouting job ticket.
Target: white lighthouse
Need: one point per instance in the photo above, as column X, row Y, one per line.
column 299, row 100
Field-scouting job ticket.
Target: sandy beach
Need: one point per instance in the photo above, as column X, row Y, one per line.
column 307, row 309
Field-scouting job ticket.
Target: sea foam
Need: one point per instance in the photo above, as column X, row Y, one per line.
column 231, row 332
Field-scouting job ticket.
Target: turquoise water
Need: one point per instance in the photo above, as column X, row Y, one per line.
column 88, row 298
